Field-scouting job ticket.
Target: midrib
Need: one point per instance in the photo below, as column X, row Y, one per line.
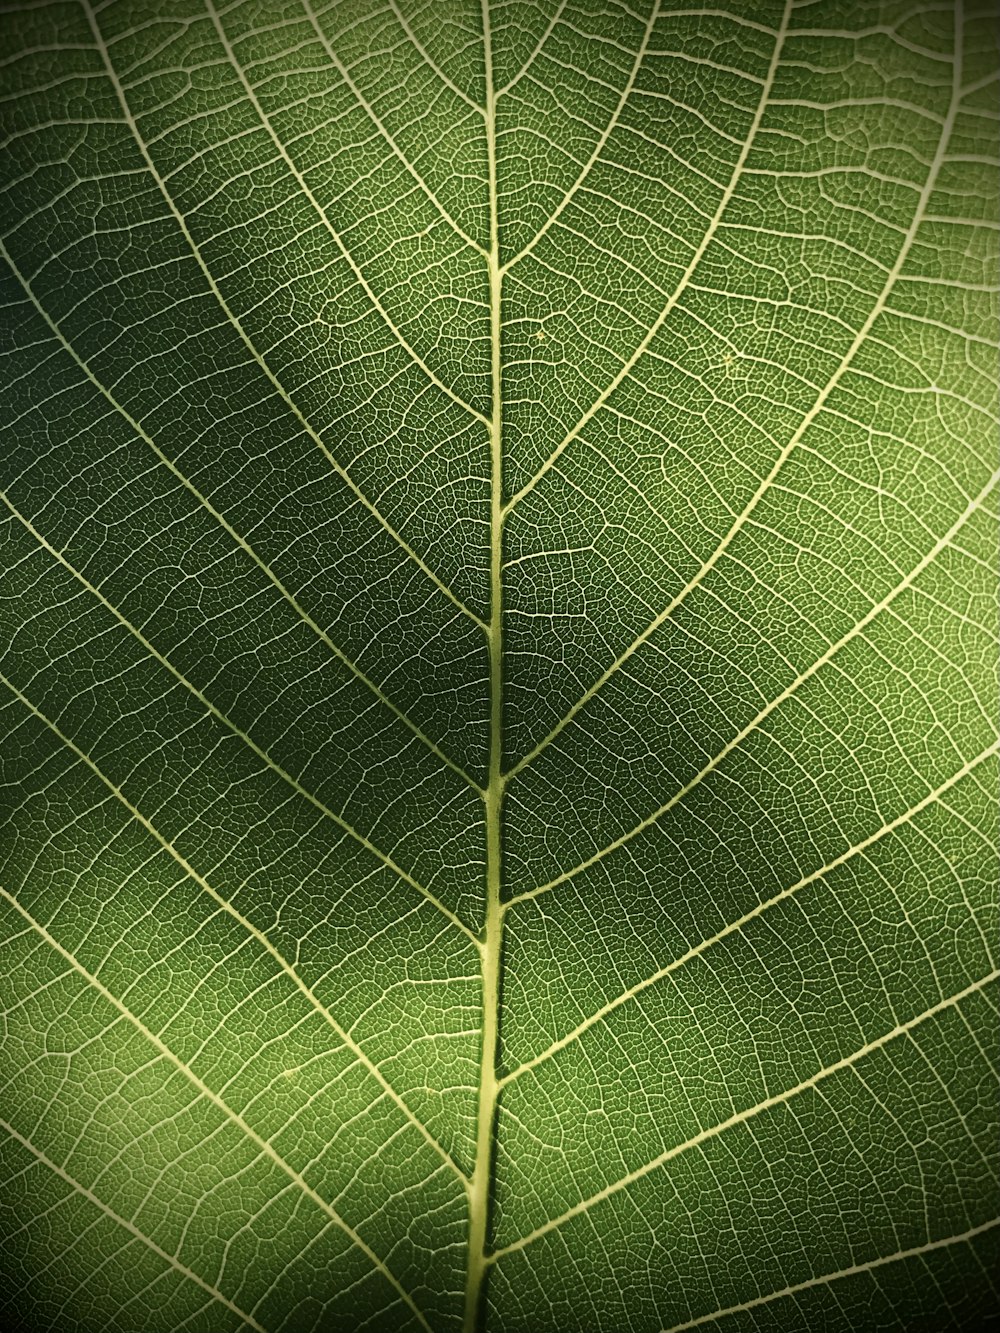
column 490, row 946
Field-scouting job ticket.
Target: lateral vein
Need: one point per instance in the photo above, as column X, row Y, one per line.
column 803, row 426
column 261, row 1143
column 557, row 15
column 260, row 936
column 345, row 74
column 321, row 212
column 601, row 141
column 244, row 545
column 151, row 1244
column 685, row 277
column 914, row 1252
column 900, row 821
column 237, row 324
column 431, row 64
column 741, row 1117
column 370, row 847
column 941, row 544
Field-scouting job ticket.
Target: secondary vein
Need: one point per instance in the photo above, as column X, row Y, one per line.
column 807, row 420
column 914, row 1252
column 693, row 263
column 237, row 324
column 224, row 523
column 311, row 197
column 928, row 558
column 381, row 856
column 857, row 849
column 741, row 1117
column 266, row 1149
column 131, row 1228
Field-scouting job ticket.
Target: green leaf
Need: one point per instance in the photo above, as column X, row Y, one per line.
column 499, row 655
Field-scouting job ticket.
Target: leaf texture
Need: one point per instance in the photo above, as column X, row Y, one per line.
column 499, row 666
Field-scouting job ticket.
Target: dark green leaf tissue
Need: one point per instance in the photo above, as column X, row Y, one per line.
column 499, row 666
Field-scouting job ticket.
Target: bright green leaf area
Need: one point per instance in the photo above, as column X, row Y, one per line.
column 499, row 692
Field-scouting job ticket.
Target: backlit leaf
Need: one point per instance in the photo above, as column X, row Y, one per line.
column 499, row 659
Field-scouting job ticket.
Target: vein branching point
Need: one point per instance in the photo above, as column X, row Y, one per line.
column 499, row 516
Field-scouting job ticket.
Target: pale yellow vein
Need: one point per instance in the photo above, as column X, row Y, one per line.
column 265, row 1148
column 131, row 1228
column 742, row 1117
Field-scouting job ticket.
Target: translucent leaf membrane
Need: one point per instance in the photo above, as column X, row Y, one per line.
column 499, row 643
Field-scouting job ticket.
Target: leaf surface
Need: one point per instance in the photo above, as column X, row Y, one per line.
column 499, row 666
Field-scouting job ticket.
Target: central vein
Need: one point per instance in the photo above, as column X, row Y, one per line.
column 479, row 1185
